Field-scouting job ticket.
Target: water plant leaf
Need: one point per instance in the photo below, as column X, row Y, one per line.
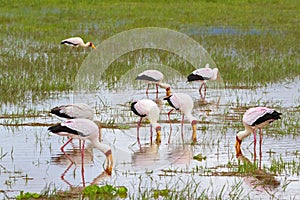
column 28, row 195
column 199, row 157
column 106, row 191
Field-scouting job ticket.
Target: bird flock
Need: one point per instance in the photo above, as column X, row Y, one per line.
column 79, row 117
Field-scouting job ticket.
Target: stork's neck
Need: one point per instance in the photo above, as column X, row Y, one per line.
column 102, row 147
column 155, row 125
column 190, row 117
column 215, row 74
column 167, row 87
column 163, row 85
column 86, row 44
column 245, row 133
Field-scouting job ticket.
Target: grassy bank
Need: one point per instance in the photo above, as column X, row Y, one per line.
column 252, row 42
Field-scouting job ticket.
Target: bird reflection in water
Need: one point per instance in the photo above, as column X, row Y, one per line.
column 75, row 153
column 146, row 157
column 255, row 176
column 180, row 154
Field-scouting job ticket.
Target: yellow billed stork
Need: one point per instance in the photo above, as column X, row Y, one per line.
column 183, row 103
column 255, row 118
column 152, row 77
column 72, row 111
column 202, row 75
column 76, row 42
column 83, row 129
column 146, row 108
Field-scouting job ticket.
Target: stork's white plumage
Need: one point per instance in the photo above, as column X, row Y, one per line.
column 83, row 129
column 255, row 118
column 183, row 103
column 77, row 42
column 72, row 111
column 146, row 108
column 152, row 77
column 202, row 75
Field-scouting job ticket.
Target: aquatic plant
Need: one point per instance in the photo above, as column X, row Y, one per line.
column 104, row 192
column 27, row 195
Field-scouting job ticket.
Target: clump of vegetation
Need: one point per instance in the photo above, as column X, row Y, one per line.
column 104, row 192
column 290, row 167
column 199, row 157
column 90, row 192
column 162, row 193
column 28, row 195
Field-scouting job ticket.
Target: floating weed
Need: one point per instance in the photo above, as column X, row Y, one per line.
column 162, row 193
column 27, row 195
column 90, row 192
column 199, row 157
column 104, row 192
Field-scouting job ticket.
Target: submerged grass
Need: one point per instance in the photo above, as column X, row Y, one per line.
column 246, row 42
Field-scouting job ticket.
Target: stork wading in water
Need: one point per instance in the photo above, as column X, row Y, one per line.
column 152, row 77
column 146, row 108
column 73, row 111
column 253, row 119
column 83, row 129
column 183, row 103
column 203, row 75
column 77, row 42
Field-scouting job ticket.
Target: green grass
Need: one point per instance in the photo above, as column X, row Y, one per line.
column 255, row 38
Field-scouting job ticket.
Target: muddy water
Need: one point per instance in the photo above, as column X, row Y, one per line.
column 31, row 159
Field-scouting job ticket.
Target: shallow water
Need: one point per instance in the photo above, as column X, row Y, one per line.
column 31, row 159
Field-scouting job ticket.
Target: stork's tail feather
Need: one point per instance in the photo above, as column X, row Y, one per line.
column 55, row 128
column 276, row 115
column 58, row 128
column 57, row 111
column 193, row 77
column 68, row 43
column 146, row 78
column 134, row 110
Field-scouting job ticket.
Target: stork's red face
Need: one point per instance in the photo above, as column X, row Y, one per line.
column 92, row 45
column 168, row 91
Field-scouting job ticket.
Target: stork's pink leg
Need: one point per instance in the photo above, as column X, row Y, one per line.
column 63, row 174
column 254, row 144
column 203, row 84
column 156, row 88
column 82, row 153
column 170, row 125
column 82, row 163
column 151, row 133
column 260, row 146
column 138, row 131
column 62, row 150
column 201, row 88
column 204, row 89
column 147, row 88
column 182, row 120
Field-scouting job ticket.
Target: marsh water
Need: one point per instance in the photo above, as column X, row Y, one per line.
column 31, row 160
